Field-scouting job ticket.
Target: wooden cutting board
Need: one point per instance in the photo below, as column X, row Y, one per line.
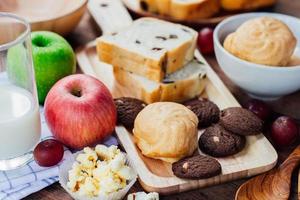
column 257, row 157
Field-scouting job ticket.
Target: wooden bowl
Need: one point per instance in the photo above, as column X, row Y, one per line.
column 60, row 16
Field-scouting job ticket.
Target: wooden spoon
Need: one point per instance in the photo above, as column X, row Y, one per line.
column 274, row 184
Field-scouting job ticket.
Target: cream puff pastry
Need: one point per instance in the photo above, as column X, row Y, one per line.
column 166, row 131
column 263, row 40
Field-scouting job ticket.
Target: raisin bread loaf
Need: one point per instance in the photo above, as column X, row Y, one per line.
column 179, row 86
column 182, row 9
column 150, row 47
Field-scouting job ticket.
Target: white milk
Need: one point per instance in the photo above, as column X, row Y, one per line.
column 20, row 126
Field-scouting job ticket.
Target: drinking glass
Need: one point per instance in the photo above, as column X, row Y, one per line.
column 20, row 126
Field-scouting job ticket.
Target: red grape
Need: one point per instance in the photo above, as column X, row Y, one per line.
column 284, row 131
column 205, row 41
column 48, row 153
column 259, row 108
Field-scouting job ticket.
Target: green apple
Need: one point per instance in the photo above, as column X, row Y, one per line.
column 53, row 59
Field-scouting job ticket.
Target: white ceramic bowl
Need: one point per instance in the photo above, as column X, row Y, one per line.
column 260, row 81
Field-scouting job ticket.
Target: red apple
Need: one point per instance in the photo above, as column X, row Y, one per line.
column 80, row 111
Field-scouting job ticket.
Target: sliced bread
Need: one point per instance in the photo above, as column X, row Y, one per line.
column 150, row 47
column 182, row 9
column 179, row 86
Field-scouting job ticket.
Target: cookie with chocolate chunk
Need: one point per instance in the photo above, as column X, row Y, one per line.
column 206, row 111
column 196, row 167
column 218, row 142
column 240, row 121
column 127, row 110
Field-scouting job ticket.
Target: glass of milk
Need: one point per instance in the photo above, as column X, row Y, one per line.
column 20, row 126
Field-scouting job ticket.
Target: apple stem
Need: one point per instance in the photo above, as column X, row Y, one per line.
column 76, row 93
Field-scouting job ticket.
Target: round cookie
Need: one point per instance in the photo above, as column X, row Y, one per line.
column 218, row 142
column 240, row 121
column 127, row 109
column 206, row 111
column 196, row 167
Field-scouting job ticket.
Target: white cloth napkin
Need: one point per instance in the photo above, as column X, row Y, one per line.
column 19, row 183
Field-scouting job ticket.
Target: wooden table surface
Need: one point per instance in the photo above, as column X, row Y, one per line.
column 87, row 31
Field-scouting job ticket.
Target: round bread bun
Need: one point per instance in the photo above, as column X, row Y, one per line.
column 262, row 40
column 166, row 131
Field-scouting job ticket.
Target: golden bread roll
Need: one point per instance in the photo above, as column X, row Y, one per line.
column 262, row 40
column 245, row 4
column 155, row 6
column 182, row 9
column 166, row 131
column 193, row 9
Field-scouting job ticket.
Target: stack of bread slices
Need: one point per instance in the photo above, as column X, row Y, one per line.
column 154, row 60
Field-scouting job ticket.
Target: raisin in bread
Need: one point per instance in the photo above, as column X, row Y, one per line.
column 149, row 47
column 179, row 86
column 182, row 9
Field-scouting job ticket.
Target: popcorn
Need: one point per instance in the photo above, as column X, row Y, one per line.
column 89, row 187
column 108, row 184
column 126, row 173
column 117, row 162
column 102, row 152
column 102, row 170
column 99, row 171
column 88, row 159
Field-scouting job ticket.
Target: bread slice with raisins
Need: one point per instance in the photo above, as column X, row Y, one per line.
column 184, row 84
column 149, row 47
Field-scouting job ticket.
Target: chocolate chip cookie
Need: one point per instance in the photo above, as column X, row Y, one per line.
column 196, row 167
column 206, row 111
column 127, row 110
column 218, row 142
column 241, row 121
